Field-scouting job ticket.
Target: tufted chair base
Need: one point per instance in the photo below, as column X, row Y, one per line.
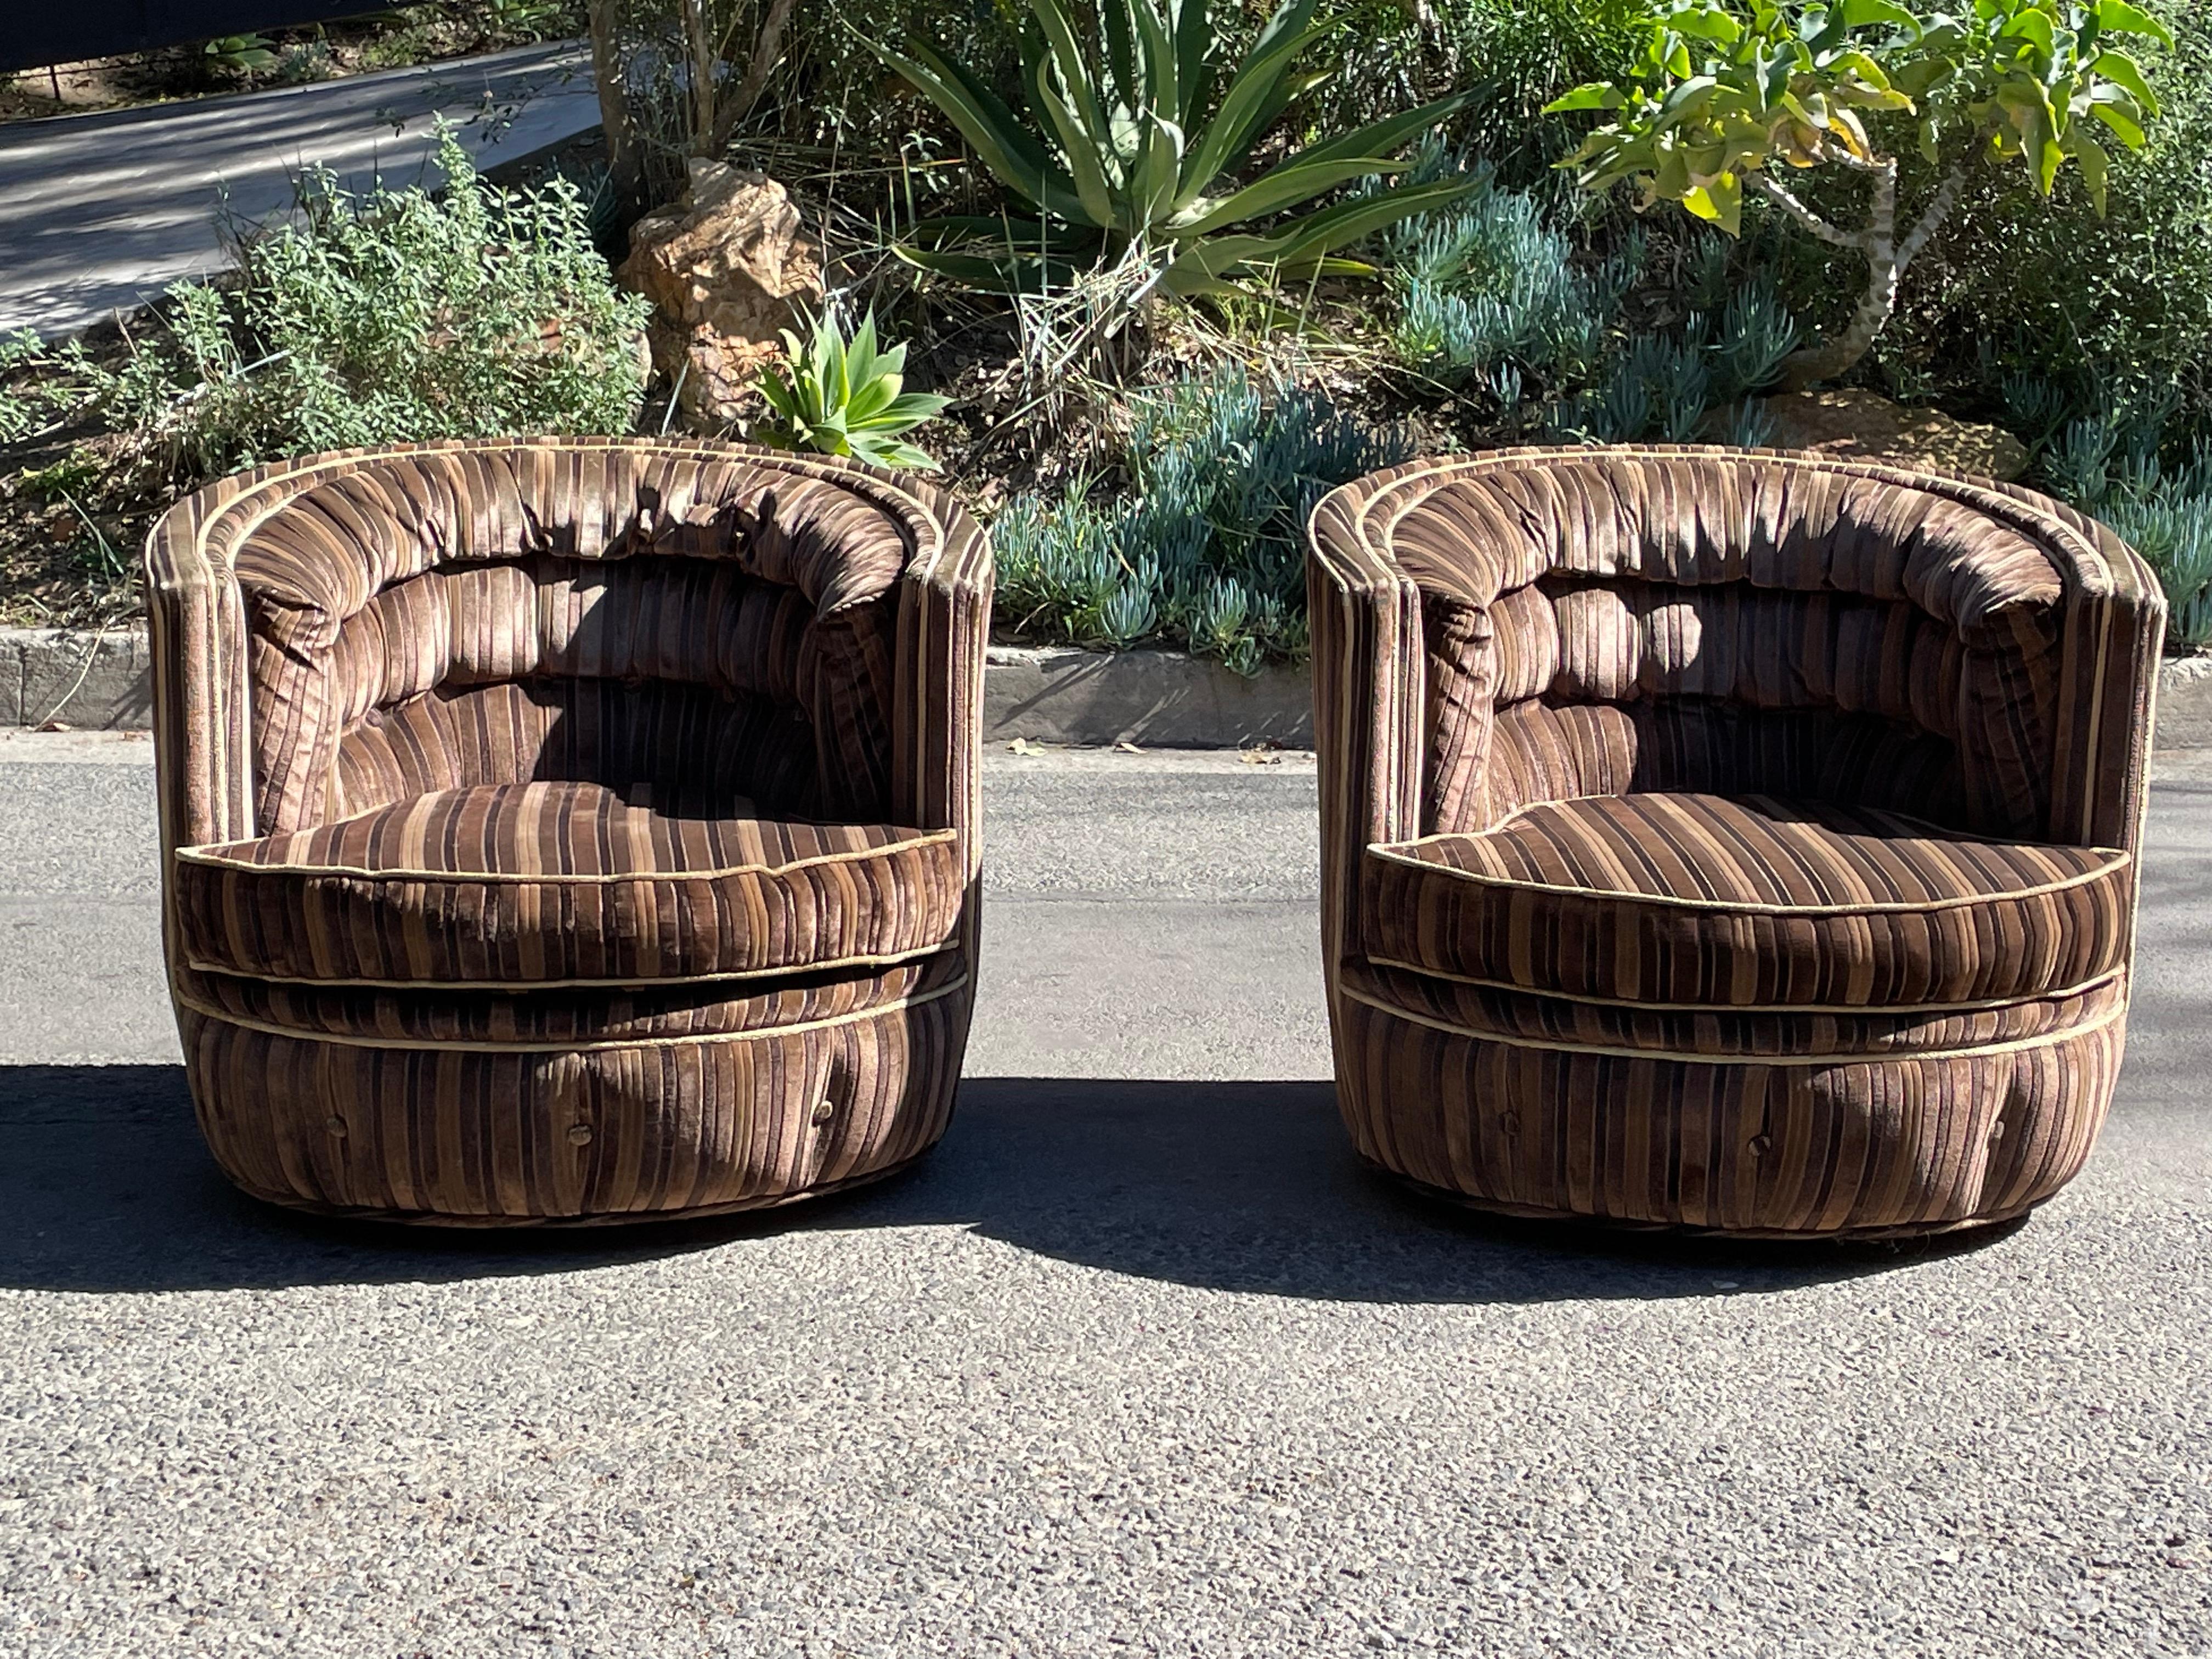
column 487, row 1135
column 1888, row 1130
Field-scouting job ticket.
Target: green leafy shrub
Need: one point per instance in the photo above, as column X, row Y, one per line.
column 1495, row 300
column 239, row 55
column 394, row 317
column 1127, row 146
column 529, row 20
column 1669, row 386
column 2116, row 305
column 1206, row 549
column 1513, row 57
column 40, row 385
column 844, row 397
column 2170, row 524
column 1724, row 95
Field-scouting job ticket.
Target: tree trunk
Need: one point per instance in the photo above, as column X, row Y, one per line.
column 767, row 51
column 1887, row 260
column 623, row 162
column 704, row 61
column 1833, row 358
column 1878, row 240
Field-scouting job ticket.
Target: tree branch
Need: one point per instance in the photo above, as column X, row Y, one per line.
column 1781, row 197
column 1939, row 209
column 704, row 62
column 768, row 49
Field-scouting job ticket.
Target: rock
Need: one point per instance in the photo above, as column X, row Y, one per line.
column 726, row 269
column 1853, row 425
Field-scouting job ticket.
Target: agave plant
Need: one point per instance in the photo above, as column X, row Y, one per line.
column 844, row 397
column 240, row 54
column 1127, row 146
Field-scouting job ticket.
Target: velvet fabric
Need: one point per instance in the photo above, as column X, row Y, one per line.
column 1727, row 840
column 571, row 830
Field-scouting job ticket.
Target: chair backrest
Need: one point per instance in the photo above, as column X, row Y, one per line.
column 702, row 624
column 1597, row 622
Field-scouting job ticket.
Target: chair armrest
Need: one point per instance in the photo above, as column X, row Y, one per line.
column 944, row 625
column 202, row 702
column 2111, row 632
column 1369, row 698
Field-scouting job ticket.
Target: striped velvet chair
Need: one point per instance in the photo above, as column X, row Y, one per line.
column 1727, row 841
column 568, row 831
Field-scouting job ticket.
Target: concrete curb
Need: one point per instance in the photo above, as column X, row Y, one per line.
column 2184, row 703
column 82, row 679
column 1049, row 693
column 1160, row 699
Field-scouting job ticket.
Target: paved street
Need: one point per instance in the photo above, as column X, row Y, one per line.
column 1138, row 1362
column 103, row 211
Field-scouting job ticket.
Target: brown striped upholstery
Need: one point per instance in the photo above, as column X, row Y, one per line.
column 1726, row 839
column 522, row 884
column 570, row 831
column 1736, row 900
column 561, row 1017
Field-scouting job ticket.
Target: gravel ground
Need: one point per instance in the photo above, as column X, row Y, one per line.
column 1138, row 1362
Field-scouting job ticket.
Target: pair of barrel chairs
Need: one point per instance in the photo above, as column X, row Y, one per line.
column 578, row 832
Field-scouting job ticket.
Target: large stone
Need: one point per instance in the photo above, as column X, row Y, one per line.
column 1864, row 426
column 726, row 269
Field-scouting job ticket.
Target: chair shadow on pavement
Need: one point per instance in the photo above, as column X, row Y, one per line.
column 1239, row 1187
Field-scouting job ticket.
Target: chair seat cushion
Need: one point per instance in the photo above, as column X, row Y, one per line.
column 1751, row 901
column 564, row 882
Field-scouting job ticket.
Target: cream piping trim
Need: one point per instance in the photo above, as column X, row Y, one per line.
column 2015, row 514
column 522, row 986
column 2120, row 861
column 2107, row 603
column 586, row 1046
column 560, row 878
column 1935, row 831
column 1856, row 1057
column 1870, row 1008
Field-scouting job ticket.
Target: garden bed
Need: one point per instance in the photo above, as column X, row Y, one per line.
column 1145, row 449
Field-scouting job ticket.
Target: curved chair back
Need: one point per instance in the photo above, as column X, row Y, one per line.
column 1536, row 624
column 676, row 616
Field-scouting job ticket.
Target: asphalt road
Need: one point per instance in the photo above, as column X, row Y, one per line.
column 1138, row 1362
column 102, row 212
